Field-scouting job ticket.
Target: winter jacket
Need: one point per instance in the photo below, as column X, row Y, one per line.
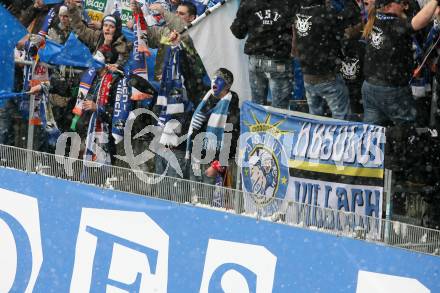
column 155, row 35
column 94, row 38
column 268, row 26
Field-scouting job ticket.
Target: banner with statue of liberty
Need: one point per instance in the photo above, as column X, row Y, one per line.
column 312, row 160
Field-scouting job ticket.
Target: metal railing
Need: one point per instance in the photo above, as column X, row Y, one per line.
column 288, row 212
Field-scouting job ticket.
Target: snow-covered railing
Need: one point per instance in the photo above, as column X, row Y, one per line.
column 296, row 214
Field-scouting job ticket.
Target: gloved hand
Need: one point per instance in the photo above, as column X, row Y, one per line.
column 142, row 85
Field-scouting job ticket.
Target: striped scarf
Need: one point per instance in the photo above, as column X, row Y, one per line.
column 171, row 79
column 172, row 125
column 47, row 22
column 139, row 63
column 171, row 102
column 216, row 122
column 98, row 131
column 140, row 28
column 85, row 83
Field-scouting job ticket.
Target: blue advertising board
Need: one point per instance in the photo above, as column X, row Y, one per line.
column 60, row 236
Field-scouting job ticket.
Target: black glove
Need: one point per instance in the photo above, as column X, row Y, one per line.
column 142, row 85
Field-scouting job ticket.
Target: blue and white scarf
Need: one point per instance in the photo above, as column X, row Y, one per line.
column 216, row 122
column 170, row 107
column 172, row 128
column 121, row 110
column 171, row 79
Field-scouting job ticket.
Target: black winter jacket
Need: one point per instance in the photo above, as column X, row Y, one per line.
column 268, row 25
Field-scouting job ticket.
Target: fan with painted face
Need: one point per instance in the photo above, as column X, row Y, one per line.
column 221, row 82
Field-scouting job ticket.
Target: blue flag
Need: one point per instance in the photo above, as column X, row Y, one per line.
column 50, row 51
column 11, row 31
column 47, row 2
column 128, row 34
column 8, row 95
column 72, row 53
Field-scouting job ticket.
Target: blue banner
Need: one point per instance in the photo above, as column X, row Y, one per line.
column 59, row 236
column 311, row 159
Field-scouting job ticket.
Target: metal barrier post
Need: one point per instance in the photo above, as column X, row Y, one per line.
column 30, row 135
column 388, row 192
column 238, row 198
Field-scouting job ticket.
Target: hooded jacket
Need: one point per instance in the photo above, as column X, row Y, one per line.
column 95, row 38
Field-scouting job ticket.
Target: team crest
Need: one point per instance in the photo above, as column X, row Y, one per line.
column 264, row 163
column 350, row 68
column 376, row 38
column 265, row 169
column 303, row 24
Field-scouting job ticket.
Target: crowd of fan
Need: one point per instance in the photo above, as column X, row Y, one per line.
column 371, row 61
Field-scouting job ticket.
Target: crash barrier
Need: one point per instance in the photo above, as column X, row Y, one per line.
column 64, row 236
column 234, row 201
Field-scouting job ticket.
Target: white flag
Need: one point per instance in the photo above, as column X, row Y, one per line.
column 218, row 47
